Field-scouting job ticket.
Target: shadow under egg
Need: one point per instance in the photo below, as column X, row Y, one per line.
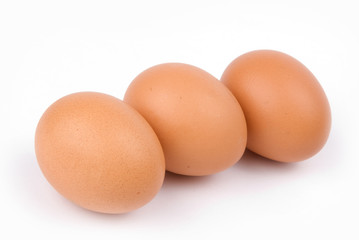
column 251, row 161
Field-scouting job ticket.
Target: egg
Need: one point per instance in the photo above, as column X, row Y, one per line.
column 198, row 121
column 99, row 153
column 287, row 112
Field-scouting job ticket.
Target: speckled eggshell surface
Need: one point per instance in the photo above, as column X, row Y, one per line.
column 198, row 121
column 99, row 153
column 287, row 112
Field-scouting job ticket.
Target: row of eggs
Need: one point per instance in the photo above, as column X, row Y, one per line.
column 110, row 156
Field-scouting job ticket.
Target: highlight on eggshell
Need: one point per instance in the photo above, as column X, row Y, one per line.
column 99, row 153
column 287, row 112
column 198, row 121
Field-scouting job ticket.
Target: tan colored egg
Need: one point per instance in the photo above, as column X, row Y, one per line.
column 287, row 112
column 198, row 121
column 99, row 153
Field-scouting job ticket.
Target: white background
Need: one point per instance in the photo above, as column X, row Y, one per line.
column 49, row 49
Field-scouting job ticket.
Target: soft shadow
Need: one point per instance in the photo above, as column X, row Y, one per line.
column 106, row 216
column 251, row 161
column 173, row 180
column 182, row 196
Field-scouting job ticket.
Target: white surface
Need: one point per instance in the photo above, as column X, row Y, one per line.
column 52, row 48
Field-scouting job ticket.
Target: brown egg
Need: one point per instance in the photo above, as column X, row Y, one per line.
column 99, row 153
column 287, row 112
column 198, row 121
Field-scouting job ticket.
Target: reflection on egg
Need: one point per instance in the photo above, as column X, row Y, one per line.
column 198, row 121
column 99, row 153
column 287, row 112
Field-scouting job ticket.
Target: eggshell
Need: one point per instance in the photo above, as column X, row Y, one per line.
column 287, row 112
column 99, row 153
column 198, row 121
